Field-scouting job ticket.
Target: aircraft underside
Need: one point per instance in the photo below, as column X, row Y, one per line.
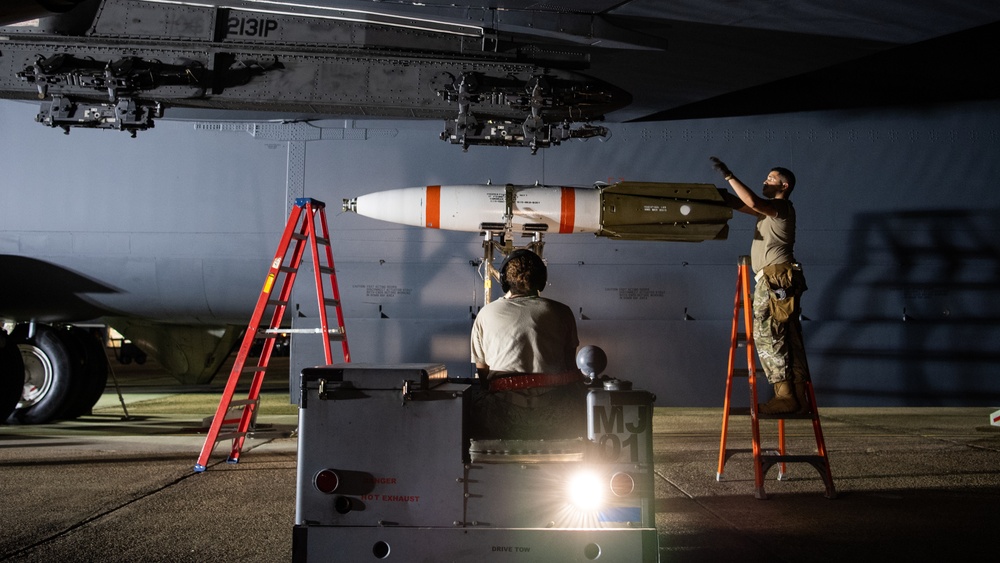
column 123, row 64
column 138, row 60
column 116, row 230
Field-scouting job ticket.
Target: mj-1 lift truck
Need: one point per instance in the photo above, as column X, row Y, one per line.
column 387, row 470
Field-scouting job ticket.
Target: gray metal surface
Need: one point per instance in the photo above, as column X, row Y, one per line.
column 897, row 234
column 525, row 545
column 400, row 460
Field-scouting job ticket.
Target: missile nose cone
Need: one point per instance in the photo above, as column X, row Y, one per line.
column 351, row 204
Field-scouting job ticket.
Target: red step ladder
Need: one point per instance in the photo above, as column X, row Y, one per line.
column 763, row 461
column 234, row 418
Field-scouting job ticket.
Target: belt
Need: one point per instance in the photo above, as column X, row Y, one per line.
column 532, row 380
column 760, row 273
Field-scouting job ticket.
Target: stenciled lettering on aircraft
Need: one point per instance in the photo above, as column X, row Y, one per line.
column 383, row 290
column 510, row 549
column 636, row 293
column 614, row 434
column 251, row 27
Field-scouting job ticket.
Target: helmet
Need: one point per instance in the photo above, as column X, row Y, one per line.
column 534, row 263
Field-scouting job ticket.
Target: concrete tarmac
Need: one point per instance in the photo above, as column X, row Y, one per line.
column 912, row 484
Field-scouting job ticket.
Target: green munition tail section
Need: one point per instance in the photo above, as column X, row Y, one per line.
column 664, row 211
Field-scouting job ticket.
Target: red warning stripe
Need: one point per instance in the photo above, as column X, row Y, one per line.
column 567, row 212
column 433, row 208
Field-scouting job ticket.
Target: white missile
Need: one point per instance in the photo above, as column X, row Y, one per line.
column 626, row 210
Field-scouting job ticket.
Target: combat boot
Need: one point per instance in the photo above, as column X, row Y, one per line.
column 783, row 402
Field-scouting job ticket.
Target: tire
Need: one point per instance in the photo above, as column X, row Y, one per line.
column 48, row 375
column 91, row 367
column 11, row 375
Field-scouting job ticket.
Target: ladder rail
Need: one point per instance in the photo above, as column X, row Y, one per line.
column 335, row 289
column 751, row 350
column 730, row 371
column 318, row 279
column 280, row 307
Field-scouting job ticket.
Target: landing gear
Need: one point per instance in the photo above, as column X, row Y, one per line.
column 92, row 367
column 65, row 372
column 11, row 375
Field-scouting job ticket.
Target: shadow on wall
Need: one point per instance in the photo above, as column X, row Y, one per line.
column 914, row 317
column 35, row 289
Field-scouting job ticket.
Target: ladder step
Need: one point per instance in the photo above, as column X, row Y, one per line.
column 778, row 458
column 242, row 403
column 788, row 415
column 745, row 411
column 229, row 436
column 231, row 423
column 326, row 270
column 741, row 372
column 331, row 331
column 322, row 240
column 330, row 302
column 271, row 332
column 288, row 269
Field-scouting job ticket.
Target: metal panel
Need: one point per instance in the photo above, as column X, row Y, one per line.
column 399, row 461
column 119, row 18
column 479, row 545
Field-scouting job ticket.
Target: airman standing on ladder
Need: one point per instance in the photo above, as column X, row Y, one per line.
column 777, row 330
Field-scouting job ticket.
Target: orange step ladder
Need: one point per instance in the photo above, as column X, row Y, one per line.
column 233, row 418
column 764, row 461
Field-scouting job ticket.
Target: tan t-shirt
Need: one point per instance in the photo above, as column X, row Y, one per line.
column 774, row 237
column 525, row 335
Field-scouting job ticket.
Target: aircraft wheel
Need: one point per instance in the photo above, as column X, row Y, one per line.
column 48, row 375
column 92, row 367
column 11, row 375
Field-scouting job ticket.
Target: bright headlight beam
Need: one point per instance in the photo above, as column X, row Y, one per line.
column 586, row 491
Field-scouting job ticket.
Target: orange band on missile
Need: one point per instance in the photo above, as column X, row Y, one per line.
column 567, row 215
column 433, row 209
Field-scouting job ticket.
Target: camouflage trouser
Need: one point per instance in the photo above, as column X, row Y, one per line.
column 779, row 343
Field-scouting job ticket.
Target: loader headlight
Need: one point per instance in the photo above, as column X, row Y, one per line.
column 586, row 491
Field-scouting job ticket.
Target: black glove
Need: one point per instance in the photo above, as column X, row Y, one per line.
column 721, row 167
